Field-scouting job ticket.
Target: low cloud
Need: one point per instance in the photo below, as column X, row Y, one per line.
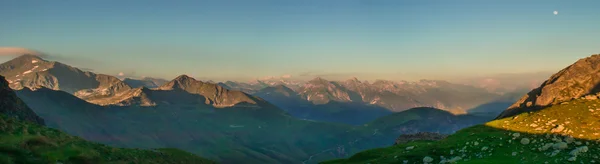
column 15, row 51
column 73, row 60
column 286, row 76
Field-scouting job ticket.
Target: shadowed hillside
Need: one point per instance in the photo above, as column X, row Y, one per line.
column 24, row 140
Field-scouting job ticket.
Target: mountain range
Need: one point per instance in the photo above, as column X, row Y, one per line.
column 556, row 122
column 389, row 95
column 357, row 102
column 25, row 139
column 215, row 121
column 352, row 101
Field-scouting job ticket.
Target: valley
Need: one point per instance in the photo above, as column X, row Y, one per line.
column 299, row 82
column 275, row 124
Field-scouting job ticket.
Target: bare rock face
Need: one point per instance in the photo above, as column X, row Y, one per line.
column 321, row 91
column 214, row 94
column 405, row 138
column 578, row 80
column 12, row 106
column 34, row 72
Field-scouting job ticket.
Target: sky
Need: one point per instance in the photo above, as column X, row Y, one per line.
column 241, row 39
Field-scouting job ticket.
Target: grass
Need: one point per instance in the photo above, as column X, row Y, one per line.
column 28, row 143
column 497, row 141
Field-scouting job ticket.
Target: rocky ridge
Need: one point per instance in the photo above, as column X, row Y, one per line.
column 578, row 80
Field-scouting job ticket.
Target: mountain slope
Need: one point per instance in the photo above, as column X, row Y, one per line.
column 38, row 144
column 12, row 106
column 557, row 134
column 385, row 130
column 398, row 96
column 393, row 96
column 333, row 111
column 24, row 140
column 214, row 94
column 424, row 119
column 229, row 135
column 30, row 71
column 580, row 79
column 555, row 123
column 34, row 72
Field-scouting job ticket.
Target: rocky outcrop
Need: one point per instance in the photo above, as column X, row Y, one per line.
column 578, row 80
column 405, row 138
column 214, row 94
column 321, row 91
column 13, row 106
column 34, row 72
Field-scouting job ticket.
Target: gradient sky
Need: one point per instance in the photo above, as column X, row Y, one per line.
column 243, row 39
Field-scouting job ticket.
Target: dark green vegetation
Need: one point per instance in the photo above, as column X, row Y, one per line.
column 25, row 142
column 231, row 126
column 557, row 134
column 24, row 139
column 557, row 122
column 424, row 119
column 229, row 135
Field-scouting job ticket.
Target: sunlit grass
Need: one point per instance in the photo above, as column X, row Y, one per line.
column 508, row 140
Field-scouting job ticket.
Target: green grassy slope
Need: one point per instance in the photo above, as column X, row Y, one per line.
column 24, row 142
column 508, row 140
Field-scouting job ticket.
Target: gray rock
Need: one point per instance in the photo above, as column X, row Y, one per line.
column 572, row 82
column 525, row 141
column 560, row 145
column 427, row 159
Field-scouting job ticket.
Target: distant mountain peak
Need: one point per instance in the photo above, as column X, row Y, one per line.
column 318, row 80
column 184, row 78
column 380, row 82
column 353, row 79
column 29, row 56
column 26, row 59
column 280, row 89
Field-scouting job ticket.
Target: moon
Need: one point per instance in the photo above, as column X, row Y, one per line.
column 555, row 12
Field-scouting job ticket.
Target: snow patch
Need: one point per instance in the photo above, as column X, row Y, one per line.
column 34, row 61
column 374, row 101
column 31, row 70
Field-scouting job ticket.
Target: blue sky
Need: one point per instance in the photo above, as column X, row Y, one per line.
column 241, row 39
